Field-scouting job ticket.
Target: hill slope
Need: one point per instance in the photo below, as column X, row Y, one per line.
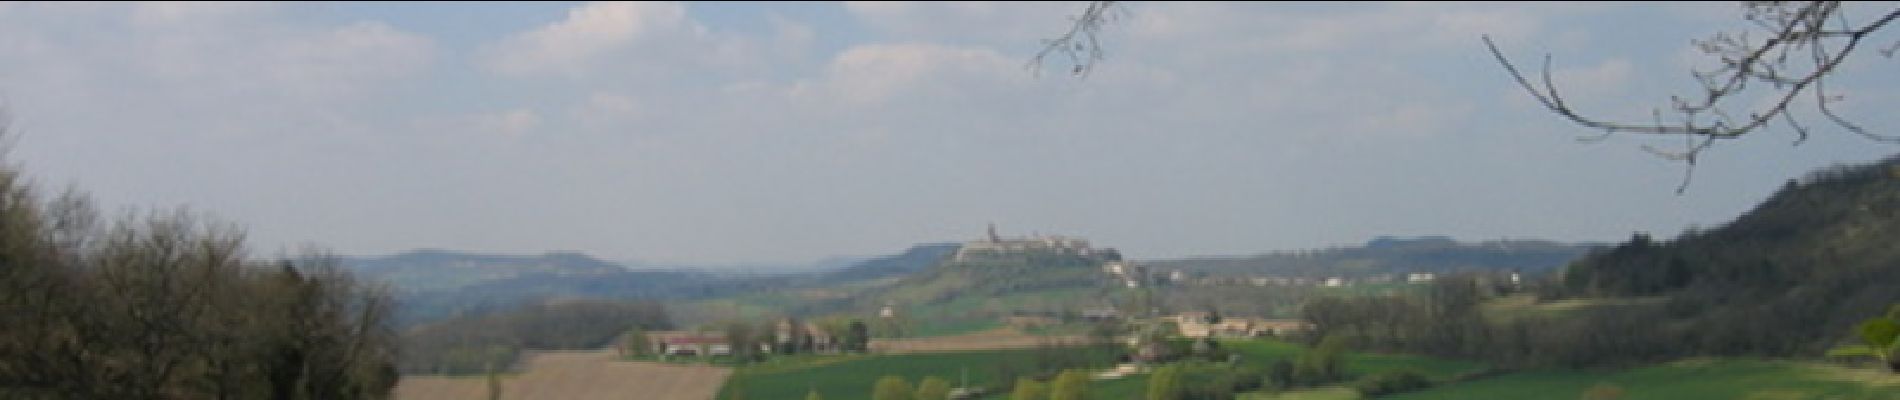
column 1787, row 278
column 1389, row 255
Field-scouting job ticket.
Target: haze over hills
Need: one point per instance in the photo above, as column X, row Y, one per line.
column 440, row 283
column 1386, row 255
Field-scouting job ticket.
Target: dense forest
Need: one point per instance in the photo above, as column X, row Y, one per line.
column 169, row 305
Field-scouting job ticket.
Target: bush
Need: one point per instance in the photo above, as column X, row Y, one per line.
column 1391, row 382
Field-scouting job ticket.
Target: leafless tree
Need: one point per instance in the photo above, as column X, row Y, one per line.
column 1798, row 46
column 1081, row 44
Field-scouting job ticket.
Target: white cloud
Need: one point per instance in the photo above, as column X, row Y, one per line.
column 991, row 22
column 604, row 109
column 574, row 45
column 877, row 73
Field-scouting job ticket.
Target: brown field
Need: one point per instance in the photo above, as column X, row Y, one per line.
column 994, row 339
column 577, row 375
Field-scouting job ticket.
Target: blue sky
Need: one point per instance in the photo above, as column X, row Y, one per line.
column 769, row 132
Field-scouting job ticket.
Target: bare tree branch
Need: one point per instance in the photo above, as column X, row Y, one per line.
column 1081, row 43
column 1797, row 57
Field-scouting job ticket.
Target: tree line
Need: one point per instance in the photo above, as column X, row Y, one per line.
column 479, row 344
column 162, row 305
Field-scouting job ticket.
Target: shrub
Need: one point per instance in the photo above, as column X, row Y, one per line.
column 1391, row 382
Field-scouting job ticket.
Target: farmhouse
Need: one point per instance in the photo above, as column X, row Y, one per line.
column 681, row 343
column 804, row 337
column 1199, row 324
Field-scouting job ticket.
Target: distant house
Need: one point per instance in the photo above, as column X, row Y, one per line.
column 815, row 338
column 690, row 344
column 1194, row 324
column 1253, row 327
column 1099, row 314
column 1197, row 324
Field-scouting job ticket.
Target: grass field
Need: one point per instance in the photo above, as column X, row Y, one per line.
column 1263, row 352
column 848, row 377
column 1692, row 379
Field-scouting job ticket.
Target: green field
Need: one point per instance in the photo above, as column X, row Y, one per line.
column 1263, row 352
column 846, row 377
column 1693, row 379
column 849, row 377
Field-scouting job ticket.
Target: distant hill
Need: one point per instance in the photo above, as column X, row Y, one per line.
column 1387, row 255
column 917, row 258
column 436, row 284
column 431, row 269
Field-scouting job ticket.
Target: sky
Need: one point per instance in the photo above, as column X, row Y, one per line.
column 791, row 132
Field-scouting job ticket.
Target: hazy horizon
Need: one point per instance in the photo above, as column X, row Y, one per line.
column 773, row 133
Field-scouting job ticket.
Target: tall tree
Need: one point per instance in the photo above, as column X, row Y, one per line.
column 858, row 338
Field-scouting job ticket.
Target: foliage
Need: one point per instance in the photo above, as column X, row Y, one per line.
column 933, row 388
column 849, row 376
column 1029, row 389
column 1389, row 256
column 636, row 343
column 466, row 345
column 1390, row 382
column 166, row 305
column 857, row 337
column 891, row 387
column 1726, row 378
column 1325, row 364
column 1878, row 337
column 1785, row 279
column 1165, row 383
column 1070, row 385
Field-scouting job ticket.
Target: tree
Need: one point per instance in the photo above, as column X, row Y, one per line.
column 1280, row 375
column 1880, row 340
column 165, row 305
column 636, row 343
column 857, row 337
column 1029, row 389
column 744, row 341
column 933, row 388
column 494, row 384
column 1330, row 356
column 1070, row 385
column 1803, row 44
column 891, row 387
column 1165, row 383
column 1800, row 45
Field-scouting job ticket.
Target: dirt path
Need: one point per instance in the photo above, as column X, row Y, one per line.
column 994, row 339
column 577, row 375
